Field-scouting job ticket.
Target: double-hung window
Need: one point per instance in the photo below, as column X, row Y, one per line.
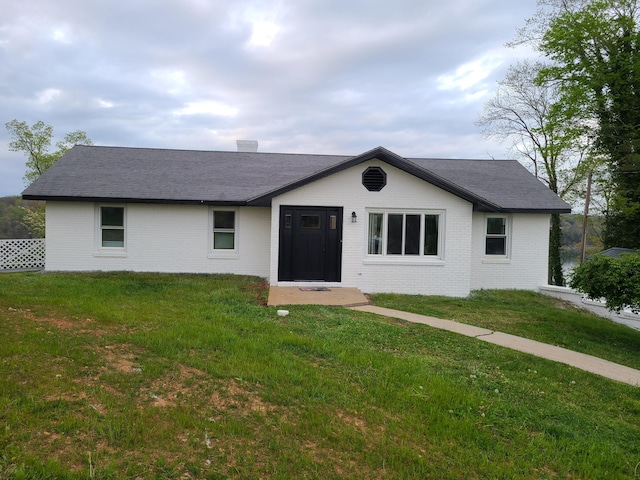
column 224, row 230
column 497, row 236
column 408, row 234
column 112, row 227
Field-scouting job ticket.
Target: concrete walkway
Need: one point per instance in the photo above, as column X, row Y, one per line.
column 578, row 360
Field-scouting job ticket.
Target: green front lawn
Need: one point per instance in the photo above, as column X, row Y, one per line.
column 530, row 315
column 126, row 375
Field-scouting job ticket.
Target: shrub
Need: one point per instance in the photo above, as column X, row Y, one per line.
column 616, row 280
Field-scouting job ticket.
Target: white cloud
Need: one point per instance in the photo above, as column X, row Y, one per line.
column 105, row 103
column 320, row 76
column 170, row 80
column 207, row 108
column 262, row 19
column 62, row 35
column 263, row 34
column 470, row 74
column 48, row 95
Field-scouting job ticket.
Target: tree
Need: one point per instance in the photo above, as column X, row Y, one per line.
column 21, row 218
column 12, row 215
column 554, row 144
column 617, row 280
column 594, row 47
column 35, row 142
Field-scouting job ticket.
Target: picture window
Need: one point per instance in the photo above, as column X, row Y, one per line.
column 407, row 234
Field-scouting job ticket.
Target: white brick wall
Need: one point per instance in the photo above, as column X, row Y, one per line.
column 176, row 238
column 403, row 191
column 529, row 252
column 159, row 238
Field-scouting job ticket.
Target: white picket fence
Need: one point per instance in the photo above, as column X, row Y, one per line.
column 22, row 254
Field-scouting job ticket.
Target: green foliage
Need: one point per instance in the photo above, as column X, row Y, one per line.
column 571, row 225
column 34, row 219
column 551, row 142
column 595, row 49
column 556, row 276
column 617, row 280
column 35, row 142
column 21, row 218
column 549, row 139
column 12, row 218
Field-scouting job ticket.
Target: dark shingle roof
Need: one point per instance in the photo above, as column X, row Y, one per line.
column 615, row 252
column 93, row 173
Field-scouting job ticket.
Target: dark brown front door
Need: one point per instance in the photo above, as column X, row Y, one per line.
column 310, row 244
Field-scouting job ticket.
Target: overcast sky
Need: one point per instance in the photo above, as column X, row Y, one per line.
column 313, row 76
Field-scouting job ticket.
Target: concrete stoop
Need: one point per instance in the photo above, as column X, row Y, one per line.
column 330, row 296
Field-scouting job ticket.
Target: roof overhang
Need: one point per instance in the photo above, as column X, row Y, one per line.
column 548, row 211
column 481, row 199
column 164, row 201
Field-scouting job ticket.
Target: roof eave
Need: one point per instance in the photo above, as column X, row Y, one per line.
column 549, row 211
column 54, row 198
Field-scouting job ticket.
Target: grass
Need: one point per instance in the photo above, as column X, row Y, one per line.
column 124, row 375
column 530, row 315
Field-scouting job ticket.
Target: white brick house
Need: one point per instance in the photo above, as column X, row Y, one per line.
column 376, row 221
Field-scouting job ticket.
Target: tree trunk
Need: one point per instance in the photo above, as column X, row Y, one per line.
column 556, row 276
column 585, row 219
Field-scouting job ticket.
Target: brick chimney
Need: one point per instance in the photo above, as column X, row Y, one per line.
column 247, row 145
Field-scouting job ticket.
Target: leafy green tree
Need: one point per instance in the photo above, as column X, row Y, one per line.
column 12, row 218
column 617, row 280
column 34, row 219
column 594, row 47
column 35, row 143
column 21, row 218
column 571, row 225
column 554, row 145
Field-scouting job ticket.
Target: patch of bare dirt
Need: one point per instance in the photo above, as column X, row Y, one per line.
column 80, row 325
column 352, row 421
column 234, row 396
column 168, row 390
column 338, row 462
column 120, row 358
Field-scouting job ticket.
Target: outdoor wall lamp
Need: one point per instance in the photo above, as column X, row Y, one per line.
column 354, row 217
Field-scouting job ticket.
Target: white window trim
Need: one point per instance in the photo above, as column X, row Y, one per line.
column 101, row 251
column 225, row 253
column 506, row 258
column 403, row 259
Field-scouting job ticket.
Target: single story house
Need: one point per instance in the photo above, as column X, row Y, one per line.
column 376, row 221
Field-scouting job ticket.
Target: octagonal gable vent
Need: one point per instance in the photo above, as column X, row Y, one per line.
column 374, row 179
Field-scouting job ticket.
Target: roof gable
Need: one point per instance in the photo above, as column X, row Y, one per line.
column 384, row 155
column 144, row 175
